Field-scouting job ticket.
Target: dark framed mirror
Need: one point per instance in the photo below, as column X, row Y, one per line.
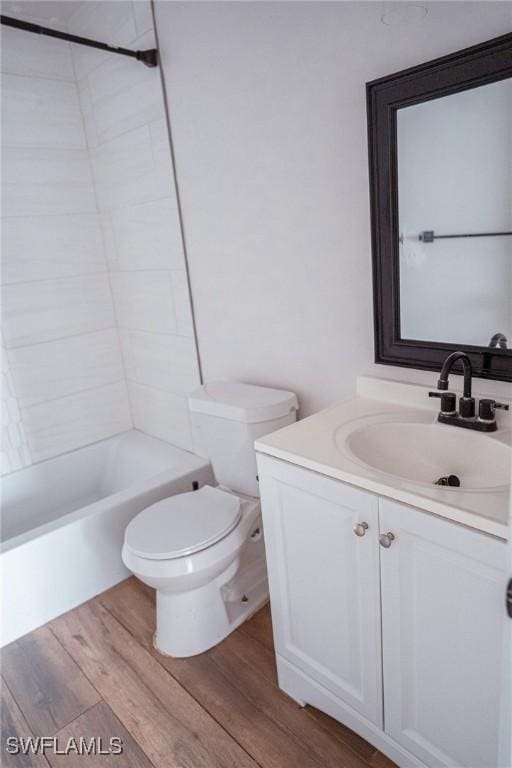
column 440, row 155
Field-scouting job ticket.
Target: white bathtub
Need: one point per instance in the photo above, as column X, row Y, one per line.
column 63, row 522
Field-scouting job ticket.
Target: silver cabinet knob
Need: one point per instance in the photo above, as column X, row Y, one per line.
column 386, row 539
column 360, row 528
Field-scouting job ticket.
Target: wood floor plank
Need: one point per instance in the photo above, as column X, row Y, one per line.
column 344, row 734
column 134, row 607
column 229, row 683
column 381, row 761
column 13, row 724
column 328, row 749
column 167, row 723
column 259, row 656
column 259, row 627
column 49, row 688
column 99, row 722
column 221, row 709
column 261, row 659
column 260, row 736
column 271, row 745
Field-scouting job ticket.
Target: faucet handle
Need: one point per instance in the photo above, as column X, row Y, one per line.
column 487, row 409
column 467, row 407
column 448, row 400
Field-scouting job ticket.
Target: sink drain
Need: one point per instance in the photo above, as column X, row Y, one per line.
column 451, row 480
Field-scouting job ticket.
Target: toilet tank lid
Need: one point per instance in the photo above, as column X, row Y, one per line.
column 242, row 402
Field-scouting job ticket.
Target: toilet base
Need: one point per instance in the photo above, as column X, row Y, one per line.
column 188, row 651
column 188, row 623
column 192, row 622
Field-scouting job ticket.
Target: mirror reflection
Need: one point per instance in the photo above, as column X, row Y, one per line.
column 455, row 217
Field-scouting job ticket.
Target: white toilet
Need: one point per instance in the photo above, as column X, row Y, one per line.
column 204, row 551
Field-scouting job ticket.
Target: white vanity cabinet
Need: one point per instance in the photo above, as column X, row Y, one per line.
column 324, row 581
column 405, row 643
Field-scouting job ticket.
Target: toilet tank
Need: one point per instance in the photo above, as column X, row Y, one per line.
column 227, row 417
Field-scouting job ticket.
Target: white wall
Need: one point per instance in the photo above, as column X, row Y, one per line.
column 123, row 108
column 453, row 177
column 268, row 113
column 64, row 382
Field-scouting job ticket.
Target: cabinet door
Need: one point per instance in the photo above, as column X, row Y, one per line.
column 324, row 581
column 443, row 638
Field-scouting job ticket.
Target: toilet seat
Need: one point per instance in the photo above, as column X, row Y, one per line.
column 184, row 524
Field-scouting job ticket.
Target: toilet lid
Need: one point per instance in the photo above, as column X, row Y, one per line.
column 183, row 524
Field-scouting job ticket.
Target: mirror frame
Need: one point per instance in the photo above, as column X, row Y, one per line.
column 487, row 62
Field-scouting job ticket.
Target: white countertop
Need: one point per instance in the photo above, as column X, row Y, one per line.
column 310, row 443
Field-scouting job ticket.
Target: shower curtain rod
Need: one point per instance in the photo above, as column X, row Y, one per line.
column 148, row 57
column 428, row 235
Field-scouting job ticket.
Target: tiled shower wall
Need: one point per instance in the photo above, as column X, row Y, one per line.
column 124, row 116
column 64, row 383
column 96, row 311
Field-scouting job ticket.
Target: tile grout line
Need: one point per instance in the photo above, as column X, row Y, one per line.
column 105, row 385
column 65, row 214
column 69, row 452
column 123, row 207
column 31, row 147
column 12, row 347
column 179, row 395
column 54, row 79
column 9, row 347
column 103, row 142
column 54, row 279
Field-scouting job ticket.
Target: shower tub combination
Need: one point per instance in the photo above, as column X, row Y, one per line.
column 63, row 522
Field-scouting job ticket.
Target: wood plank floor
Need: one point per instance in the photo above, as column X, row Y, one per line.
column 94, row 673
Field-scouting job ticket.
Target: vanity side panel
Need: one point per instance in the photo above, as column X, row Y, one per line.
column 324, row 581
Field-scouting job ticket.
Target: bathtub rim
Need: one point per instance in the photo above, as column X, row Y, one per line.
column 193, row 464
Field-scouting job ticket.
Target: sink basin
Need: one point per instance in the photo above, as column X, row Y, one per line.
column 422, row 453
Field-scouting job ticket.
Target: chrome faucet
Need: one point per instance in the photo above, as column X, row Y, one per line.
column 465, row 417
